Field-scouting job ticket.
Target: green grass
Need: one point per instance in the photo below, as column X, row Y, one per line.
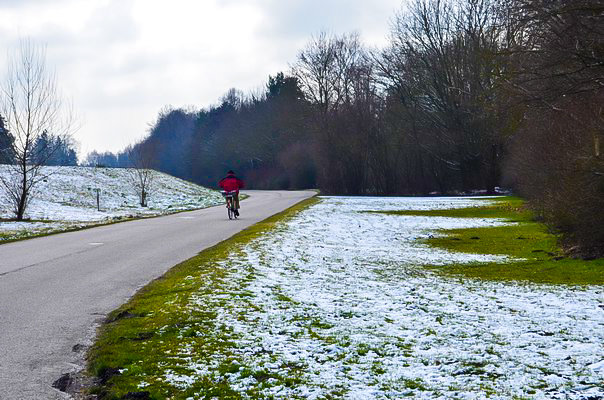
column 143, row 337
column 543, row 260
column 415, row 384
column 25, row 235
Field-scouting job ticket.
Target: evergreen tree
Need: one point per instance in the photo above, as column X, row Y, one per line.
column 6, row 144
column 53, row 150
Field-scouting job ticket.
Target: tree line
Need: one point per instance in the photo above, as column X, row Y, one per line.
column 467, row 95
column 46, row 149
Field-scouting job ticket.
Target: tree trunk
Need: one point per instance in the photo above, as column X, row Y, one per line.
column 493, row 173
column 23, row 195
column 21, row 207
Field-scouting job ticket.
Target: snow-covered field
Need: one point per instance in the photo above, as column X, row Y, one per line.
column 338, row 299
column 66, row 199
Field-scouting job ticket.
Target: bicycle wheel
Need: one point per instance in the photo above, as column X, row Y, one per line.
column 229, row 201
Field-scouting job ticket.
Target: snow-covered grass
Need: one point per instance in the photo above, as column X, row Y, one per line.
column 334, row 303
column 67, row 200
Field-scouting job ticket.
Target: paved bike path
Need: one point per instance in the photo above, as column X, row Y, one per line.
column 54, row 290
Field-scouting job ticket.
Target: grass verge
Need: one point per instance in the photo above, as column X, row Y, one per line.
column 156, row 330
column 543, row 260
column 25, row 235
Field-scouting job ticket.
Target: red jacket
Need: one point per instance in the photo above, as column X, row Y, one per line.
column 231, row 183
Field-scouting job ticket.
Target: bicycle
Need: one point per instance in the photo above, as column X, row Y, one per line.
column 230, row 203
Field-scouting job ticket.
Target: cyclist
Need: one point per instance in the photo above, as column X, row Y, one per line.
column 231, row 183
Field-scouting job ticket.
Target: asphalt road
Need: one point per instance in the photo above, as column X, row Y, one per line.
column 55, row 290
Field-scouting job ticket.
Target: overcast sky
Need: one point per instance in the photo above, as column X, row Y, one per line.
column 121, row 61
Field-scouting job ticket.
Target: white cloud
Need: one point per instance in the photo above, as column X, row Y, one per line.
column 123, row 60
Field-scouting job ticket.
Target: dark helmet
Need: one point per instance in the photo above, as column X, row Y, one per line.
column 230, row 171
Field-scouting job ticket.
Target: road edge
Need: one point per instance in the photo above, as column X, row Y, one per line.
column 78, row 384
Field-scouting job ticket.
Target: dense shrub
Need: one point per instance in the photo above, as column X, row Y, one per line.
column 554, row 163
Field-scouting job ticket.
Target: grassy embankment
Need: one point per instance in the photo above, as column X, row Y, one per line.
column 25, row 234
column 542, row 259
column 144, row 338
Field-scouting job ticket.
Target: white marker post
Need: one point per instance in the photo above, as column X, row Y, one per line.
column 98, row 198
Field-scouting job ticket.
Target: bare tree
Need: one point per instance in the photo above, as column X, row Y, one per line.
column 141, row 175
column 336, row 76
column 315, row 69
column 32, row 107
column 445, row 65
column 326, row 66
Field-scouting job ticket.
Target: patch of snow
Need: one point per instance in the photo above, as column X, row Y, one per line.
column 179, row 381
column 597, row 367
column 339, row 298
column 67, row 199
